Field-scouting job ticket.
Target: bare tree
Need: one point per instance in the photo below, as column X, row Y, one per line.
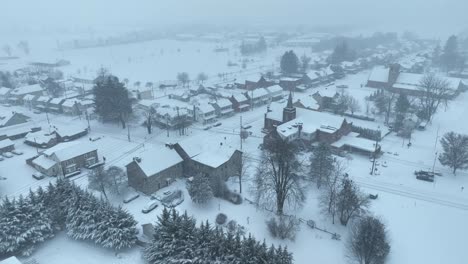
column 149, row 115
column 350, row 201
column 246, row 165
column 329, row 196
column 434, row 92
column 137, row 84
column 202, row 77
column 7, row 50
column 353, row 104
column 277, row 181
column 368, row 242
column 455, row 154
column 183, row 78
column 321, row 164
column 117, row 179
column 24, row 46
column 98, row 180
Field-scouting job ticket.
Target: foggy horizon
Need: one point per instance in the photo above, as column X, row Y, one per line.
column 432, row 18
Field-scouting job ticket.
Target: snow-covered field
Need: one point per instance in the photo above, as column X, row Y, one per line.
column 425, row 220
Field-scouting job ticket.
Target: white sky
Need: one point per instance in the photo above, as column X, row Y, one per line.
column 431, row 17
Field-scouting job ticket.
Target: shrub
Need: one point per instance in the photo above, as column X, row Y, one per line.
column 284, row 228
column 221, row 219
column 234, row 228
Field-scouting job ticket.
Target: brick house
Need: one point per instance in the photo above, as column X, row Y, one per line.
column 154, row 169
column 240, row 102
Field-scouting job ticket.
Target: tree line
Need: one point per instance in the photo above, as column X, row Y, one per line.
column 28, row 221
column 177, row 239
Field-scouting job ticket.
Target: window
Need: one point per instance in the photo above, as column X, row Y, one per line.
column 91, row 161
column 70, row 169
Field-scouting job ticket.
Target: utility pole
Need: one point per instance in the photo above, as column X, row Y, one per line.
column 433, row 164
column 128, row 133
column 167, row 125
column 240, row 133
column 437, row 137
column 375, row 153
column 178, row 120
column 87, row 119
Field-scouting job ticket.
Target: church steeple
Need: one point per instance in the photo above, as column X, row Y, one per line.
column 289, row 112
column 290, row 103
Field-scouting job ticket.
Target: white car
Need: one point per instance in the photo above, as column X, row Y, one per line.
column 7, row 155
column 38, row 176
column 150, row 207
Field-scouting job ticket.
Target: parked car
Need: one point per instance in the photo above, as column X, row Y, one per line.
column 37, row 111
column 130, row 197
column 217, row 124
column 17, row 152
column 424, row 175
column 342, row 86
column 150, row 207
column 247, row 127
column 38, row 176
column 161, row 196
column 7, row 155
column 207, row 127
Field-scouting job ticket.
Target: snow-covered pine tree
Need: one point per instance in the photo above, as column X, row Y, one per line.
column 160, row 250
column 118, row 230
column 249, row 254
column 200, row 189
column 40, row 224
column 321, row 164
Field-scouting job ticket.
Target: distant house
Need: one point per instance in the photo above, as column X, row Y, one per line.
column 261, row 83
column 68, row 133
column 258, row 97
column 240, row 102
column 172, row 117
column 66, row 159
column 17, row 131
column 55, row 105
column 396, row 81
column 16, row 96
column 325, row 99
column 11, row 119
column 289, row 83
column 154, row 169
column 28, row 100
column 41, row 139
column 275, row 92
column 41, row 103
column 223, row 107
column 71, row 107
column 4, row 94
column 6, row 145
column 203, row 112
column 181, row 95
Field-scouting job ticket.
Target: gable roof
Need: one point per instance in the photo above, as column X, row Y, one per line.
column 68, row 150
column 379, row 74
column 212, row 151
column 27, row 89
column 157, row 159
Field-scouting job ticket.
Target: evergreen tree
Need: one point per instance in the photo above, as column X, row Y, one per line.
column 450, row 57
column 289, row 62
column 200, row 189
column 111, row 99
column 321, row 164
column 401, row 108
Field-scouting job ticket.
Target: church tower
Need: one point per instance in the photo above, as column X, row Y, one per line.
column 289, row 112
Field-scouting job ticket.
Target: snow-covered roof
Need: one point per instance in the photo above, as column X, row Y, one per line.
column 240, row 98
column 274, row 89
column 157, row 159
column 379, row 74
column 70, row 102
column 205, row 108
column 68, row 150
column 64, row 131
column 258, row 93
column 44, row 162
column 29, row 97
column 10, row 260
column 43, row 99
column 222, row 103
column 27, row 89
column 56, row 100
column 311, row 122
column 213, row 151
column 39, row 137
column 355, row 142
column 276, row 111
column 6, row 143
column 4, row 90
